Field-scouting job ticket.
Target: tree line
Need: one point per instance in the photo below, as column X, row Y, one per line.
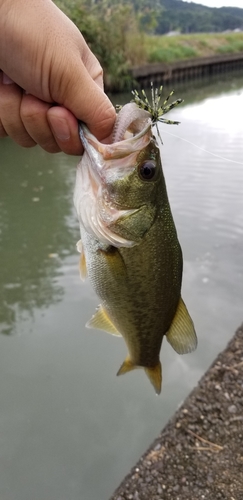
column 116, row 30
column 173, row 15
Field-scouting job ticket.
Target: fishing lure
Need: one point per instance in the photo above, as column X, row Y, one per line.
column 155, row 109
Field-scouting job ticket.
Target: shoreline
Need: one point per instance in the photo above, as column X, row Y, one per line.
column 186, row 69
column 199, row 454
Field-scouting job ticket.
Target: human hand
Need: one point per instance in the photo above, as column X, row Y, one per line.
column 53, row 79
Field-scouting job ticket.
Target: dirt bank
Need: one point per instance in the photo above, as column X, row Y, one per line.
column 199, row 455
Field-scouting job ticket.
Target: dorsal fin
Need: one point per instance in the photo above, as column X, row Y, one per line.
column 101, row 321
column 181, row 334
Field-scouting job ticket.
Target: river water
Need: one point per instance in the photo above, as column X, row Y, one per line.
column 69, row 428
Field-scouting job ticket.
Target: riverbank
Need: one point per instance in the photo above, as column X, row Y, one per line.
column 171, row 60
column 169, row 49
column 186, row 70
column 199, row 454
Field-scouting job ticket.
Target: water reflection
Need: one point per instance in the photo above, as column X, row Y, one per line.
column 193, row 91
column 69, row 428
column 35, row 233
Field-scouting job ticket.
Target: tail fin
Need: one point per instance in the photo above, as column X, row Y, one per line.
column 155, row 376
column 153, row 373
column 126, row 366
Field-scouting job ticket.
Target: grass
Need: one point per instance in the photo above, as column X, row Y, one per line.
column 174, row 48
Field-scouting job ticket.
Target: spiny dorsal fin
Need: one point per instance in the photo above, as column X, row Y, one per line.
column 101, row 321
column 181, row 335
column 82, row 261
column 155, row 376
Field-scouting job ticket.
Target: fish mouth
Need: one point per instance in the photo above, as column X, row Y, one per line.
column 131, row 133
column 119, row 149
column 109, row 162
column 105, row 163
column 112, row 161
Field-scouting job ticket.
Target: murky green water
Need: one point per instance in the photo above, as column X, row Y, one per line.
column 69, row 428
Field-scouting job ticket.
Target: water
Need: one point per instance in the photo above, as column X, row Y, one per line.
column 69, row 428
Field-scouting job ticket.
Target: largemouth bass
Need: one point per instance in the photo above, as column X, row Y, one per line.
column 129, row 246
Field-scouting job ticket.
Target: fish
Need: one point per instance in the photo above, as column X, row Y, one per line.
column 129, row 247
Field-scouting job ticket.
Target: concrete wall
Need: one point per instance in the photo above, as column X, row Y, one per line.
column 181, row 71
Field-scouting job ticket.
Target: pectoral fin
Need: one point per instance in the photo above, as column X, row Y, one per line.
column 101, row 321
column 181, row 335
column 82, row 261
column 154, row 373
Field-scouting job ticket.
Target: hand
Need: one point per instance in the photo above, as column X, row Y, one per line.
column 50, row 79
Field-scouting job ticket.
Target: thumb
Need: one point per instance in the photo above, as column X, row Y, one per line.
column 88, row 102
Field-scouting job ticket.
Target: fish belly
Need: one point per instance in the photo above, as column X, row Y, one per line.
column 139, row 288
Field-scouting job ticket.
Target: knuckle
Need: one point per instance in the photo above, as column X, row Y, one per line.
column 17, row 132
column 29, row 109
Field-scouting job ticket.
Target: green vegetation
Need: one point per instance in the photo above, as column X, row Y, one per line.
column 114, row 30
column 169, row 49
column 127, row 33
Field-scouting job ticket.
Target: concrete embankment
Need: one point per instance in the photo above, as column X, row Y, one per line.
column 199, row 454
column 191, row 69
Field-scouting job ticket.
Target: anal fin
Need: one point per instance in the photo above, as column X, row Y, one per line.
column 181, row 334
column 101, row 321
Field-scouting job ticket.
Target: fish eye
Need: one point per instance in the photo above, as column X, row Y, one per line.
column 147, row 170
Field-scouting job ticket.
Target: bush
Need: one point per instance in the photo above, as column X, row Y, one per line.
column 113, row 32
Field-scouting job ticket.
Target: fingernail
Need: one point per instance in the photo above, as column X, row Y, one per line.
column 60, row 128
column 6, row 80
